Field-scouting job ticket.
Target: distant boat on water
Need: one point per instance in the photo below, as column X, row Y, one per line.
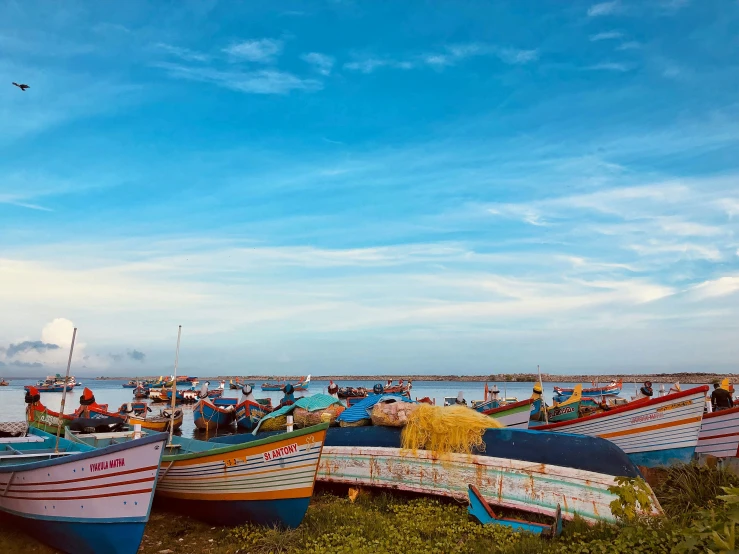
column 611, row 389
column 303, row 384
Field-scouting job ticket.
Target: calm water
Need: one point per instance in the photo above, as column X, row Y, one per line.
column 12, row 406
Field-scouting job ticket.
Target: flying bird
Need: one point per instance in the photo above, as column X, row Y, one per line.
column 22, row 86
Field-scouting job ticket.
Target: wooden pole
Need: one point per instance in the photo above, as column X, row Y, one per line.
column 543, row 403
column 64, row 394
column 174, row 386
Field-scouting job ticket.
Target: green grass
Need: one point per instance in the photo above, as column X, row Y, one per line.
column 379, row 522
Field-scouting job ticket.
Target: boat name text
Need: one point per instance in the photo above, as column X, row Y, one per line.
column 673, row 406
column 646, row 417
column 280, row 452
column 107, row 464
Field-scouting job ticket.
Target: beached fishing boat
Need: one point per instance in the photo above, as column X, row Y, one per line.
column 267, row 481
column 79, row 499
column 656, row 432
column 518, row 469
column 611, row 389
column 513, row 416
column 138, row 413
column 719, row 434
column 211, row 414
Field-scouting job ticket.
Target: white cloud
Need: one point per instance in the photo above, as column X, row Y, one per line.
column 322, row 63
column 255, row 82
column 516, row 56
column 371, row 64
column 630, row 45
column 718, row 287
column 261, row 50
column 685, row 250
column 604, row 8
column 609, row 66
column 608, row 35
column 184, row 53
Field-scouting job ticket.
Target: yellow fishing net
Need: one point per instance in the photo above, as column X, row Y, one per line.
column 446, row 429
column 274, row 424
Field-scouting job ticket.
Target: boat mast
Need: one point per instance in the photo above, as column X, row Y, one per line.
column 64, row 394
column 543, row 403
column 174, row 386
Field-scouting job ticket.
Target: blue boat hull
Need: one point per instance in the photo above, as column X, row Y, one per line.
column 247, row 417
column 663, row 458
column 287, row 512
column 81, row 537
column 208, row 418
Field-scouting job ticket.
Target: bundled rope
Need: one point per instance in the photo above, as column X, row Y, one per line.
column 446, row 429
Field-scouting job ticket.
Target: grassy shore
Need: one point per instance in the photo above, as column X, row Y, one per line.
column 388, row 523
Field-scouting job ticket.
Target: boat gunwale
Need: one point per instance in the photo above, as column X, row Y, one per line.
column 82, row 454
column 243, row 445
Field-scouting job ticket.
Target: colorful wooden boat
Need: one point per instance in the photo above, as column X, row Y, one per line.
column 40, row 417
column 248, row 413
column 564, row 411
column 137, row 413
column 611, row 389
column 482, row 512
column 211, row 414
column 80, row 500
column 657, row 432
column 518, row 469
column 130, row 385
column 719, row 434
column 267, row 480
column 513, row 416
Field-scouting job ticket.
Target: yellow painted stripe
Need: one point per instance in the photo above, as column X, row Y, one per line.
column 264, row 495
column 649, row 427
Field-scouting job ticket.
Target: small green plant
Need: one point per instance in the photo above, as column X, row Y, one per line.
column 634, row 499
column 714, row 530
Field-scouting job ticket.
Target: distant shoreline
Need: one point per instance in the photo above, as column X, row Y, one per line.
column 686, row 378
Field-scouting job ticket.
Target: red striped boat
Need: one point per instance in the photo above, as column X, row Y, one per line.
column 80, row 500
column 719, row 434
column 655, row 432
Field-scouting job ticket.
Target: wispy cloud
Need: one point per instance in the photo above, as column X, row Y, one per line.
column 321, row 62
column 604, row 8
column 183, row 53
column 260, row 50
column 371, row 64
column 451, row 55
column 608, row 35
column 630, row 45
column 609, row 66
column 256, row 82
column 516, row 56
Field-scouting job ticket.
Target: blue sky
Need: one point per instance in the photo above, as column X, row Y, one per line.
column 447, row 187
